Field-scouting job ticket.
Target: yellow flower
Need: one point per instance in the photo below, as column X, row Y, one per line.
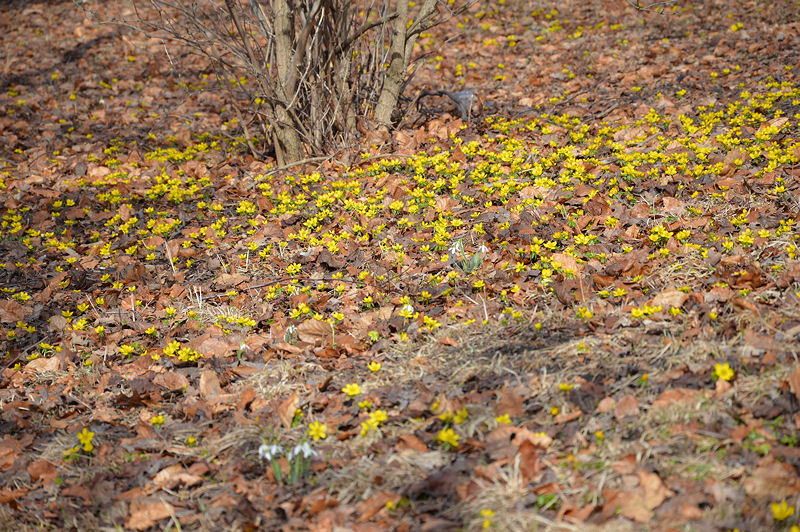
column 723, row 371
column 317, row 430
column 374, row 366
column 448, row 437
column 781, row 510
column 486, row 514
column 505, row 419
column 368, row 425
column 352, row 389
column 379, row 416
column 85, row 437
column 69, row 452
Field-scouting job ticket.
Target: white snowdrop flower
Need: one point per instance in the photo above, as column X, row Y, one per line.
column 291, row 329
column 456, row 247
column 483, row 249
column 408, row 309
column 304, row 448
column 268, row 452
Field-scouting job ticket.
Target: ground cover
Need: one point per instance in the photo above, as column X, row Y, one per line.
column 577, row 309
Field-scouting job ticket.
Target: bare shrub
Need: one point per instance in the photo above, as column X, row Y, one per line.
column 310, row 69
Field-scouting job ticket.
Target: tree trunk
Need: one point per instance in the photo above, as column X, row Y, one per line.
column 403, row 39
column 397, row 68
column 285, row 137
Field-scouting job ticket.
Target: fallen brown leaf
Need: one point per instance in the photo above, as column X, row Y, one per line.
column 287, row 409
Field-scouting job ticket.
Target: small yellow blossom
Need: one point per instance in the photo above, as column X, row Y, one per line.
column 448, row 437
column 317, row 430
column 504, row 419
column 486, row 514
column 85, row 437
column 723, row 371
column 781, row 510
column 352, row 389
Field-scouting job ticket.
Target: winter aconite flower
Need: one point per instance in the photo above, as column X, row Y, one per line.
column 723, row 371
column 486, row 514
column 503, row 419
column 781, row 510
column 448, row 438
column 317, row 430
column 352, row 389
column 85, row 437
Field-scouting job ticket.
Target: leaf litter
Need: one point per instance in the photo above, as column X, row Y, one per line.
column 579, row 310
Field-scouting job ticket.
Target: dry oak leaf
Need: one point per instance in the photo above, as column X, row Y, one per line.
column 627, row 406
column 498, row 442
column 367, row 509
column 538, row 439
column 409, row 443
column 606, row 405
column 627, row 503
column 175, row 475
column 672, row 205
column 217, row 345
column 229, row 280
column 40, row 365
column 638, row 504
column 9, row 496
column 655, row 492
column 287, row 409
column 209, row 385
column 670, row 298
column 510, row 402
column 11, row 449
column 566, row 261
column 312, row 330
column 772, row 480
column 11, row 311
column 145, row 514
column 171, row 380
column 44, row 470
column 794, row 382
column 675, row 396
column 573, row 514
column 529, row 465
